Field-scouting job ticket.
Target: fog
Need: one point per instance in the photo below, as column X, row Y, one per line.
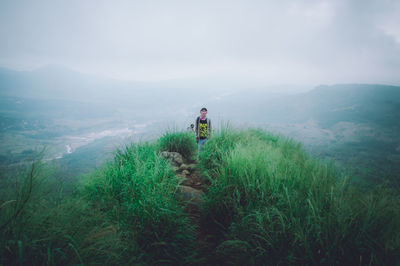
column 214, row 44
column 85, row 77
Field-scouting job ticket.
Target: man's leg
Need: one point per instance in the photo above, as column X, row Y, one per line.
column 201, row 143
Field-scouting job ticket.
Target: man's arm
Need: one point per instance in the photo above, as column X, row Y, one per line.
column 210, row 128
column 197, row 129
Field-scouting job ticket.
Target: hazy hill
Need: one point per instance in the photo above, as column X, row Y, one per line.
column 359, row 103
column 57, row 82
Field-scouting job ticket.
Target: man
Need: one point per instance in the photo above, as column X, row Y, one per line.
column 203, row 128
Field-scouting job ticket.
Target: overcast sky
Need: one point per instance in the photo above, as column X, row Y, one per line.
column 255, row 42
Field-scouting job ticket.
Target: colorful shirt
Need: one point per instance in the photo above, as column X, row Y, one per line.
column 203, row 128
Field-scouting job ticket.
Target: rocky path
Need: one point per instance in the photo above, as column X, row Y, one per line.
column 192, row 189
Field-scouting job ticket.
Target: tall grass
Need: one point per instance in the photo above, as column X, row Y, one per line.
column 127, row 212
column 38, row 225
column 277, row 205
column 138, row 193
column 178, row 141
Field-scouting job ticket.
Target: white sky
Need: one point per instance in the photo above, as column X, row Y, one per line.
column 258, row 43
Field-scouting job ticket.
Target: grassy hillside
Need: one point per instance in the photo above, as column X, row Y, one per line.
column 268, row 202
column 128, row 212
column 273, row 204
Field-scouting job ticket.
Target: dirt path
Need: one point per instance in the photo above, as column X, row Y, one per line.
column 194, row 188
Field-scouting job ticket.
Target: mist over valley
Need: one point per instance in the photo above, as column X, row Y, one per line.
column 68, row 112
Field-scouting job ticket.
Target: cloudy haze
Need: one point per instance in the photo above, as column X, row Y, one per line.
column 254, row 43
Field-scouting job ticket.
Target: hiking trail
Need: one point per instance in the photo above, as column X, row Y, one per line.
column 193, row 187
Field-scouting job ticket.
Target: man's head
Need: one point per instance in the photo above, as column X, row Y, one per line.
column 203, row 112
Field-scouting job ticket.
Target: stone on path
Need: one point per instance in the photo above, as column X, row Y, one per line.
column 191, row 167
column 185, row 172
column 184, row 167
column 186, row 182
column 174, row 157
column 192, row 194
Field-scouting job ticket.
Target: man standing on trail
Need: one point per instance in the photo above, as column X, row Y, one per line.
column 203, row 128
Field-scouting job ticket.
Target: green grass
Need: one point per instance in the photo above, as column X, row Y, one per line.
column 42, row 225
column 177, row 141
column 138, row 192
column 127, row 213
column 274, row 204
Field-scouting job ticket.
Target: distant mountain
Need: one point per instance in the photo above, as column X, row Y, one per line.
column 358, row 103
column 58, row 82
column 327, row 105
